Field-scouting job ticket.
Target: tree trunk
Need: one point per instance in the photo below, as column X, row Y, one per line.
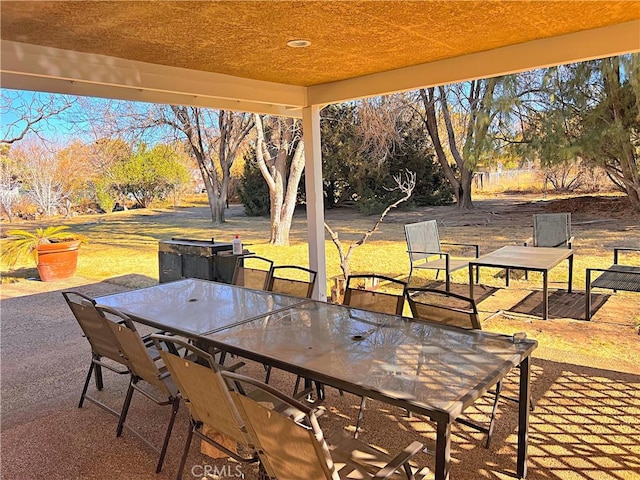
column 629, row 172
column 273, row 160
column 431, row 122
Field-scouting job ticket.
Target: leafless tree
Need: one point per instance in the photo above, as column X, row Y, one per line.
column 280, row 157
column 26, row 113
column 405, row 186
column 215, row 139
column 9, row 183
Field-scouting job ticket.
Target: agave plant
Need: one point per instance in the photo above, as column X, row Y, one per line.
column 22, row 243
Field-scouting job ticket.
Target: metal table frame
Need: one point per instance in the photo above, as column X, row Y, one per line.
column 528, row 259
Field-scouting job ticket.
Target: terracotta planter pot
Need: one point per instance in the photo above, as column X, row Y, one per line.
column 57, row 261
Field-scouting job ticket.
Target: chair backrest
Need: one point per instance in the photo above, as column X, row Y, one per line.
column 292, row 280
column 422, row 237
column 252, row 272
column 201, row 386
column 132, row 348
column 102, row 340
column 551, row 230
column 443, row 307
column 364, row 291
column 288, row 449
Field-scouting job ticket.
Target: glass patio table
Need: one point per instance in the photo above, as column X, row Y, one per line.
column 193, row 307
column 426, row 368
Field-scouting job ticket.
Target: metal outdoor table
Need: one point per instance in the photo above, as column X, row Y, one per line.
column 536, row 259
column 426, row 368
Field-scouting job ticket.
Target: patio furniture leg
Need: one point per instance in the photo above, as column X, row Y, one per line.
column 363, row 404
column 587, row 313
column 125, row 407
column 506, row 280
column 167, row 435
column 86, row 385
column 493, row 414
column 98, row 373
column 447, row 274
column 545, row 295
column 443, row 454
column 523, row 417
column 187, row 446
column 471, row 281
column 570, row 273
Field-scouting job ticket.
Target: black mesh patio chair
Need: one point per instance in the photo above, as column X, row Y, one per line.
column 252, row 272
column 292, row 280
column 447, row 308
column 375, row 292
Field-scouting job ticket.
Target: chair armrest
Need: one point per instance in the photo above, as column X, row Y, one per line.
column 475, row 246
column 399, row 460
column 616, row 250
column 426, row 253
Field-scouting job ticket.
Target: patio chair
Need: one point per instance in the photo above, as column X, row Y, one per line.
column 206, row 396
column 442, row 307
column 143, row 368
column 425, row 251
column 551, row 230
column 284, row 280
column 297, row 450
column 362, row 292
column 616, row 277
column 105, row 351
column 252, row 272
column 447, row 308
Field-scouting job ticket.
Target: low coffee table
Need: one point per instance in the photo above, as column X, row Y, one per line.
column 535, row 259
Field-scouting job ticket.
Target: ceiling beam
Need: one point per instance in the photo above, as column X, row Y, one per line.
column 32, row 67
column 575, row 47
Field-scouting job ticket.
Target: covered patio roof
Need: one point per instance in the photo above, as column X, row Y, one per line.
column 234, row 54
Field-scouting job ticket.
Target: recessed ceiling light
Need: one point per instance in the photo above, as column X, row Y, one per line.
column 298, row 43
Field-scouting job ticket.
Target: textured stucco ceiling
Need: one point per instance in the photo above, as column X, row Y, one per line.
column 349, row 39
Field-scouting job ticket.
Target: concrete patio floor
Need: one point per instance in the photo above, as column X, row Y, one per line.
column 586, row 423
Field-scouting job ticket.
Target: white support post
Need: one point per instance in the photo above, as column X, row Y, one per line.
column 315, row 198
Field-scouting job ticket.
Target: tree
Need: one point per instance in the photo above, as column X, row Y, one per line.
column 26, row 113
column 342, row 148
column 611, row 129
column 280, row 157
column 215, row 138
column 49, row 177
column 589, row 112
column 254, row 191
column 476, row 99
column 150, row 174
column 215, row 149
column 404, row 186
column 9, row 182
